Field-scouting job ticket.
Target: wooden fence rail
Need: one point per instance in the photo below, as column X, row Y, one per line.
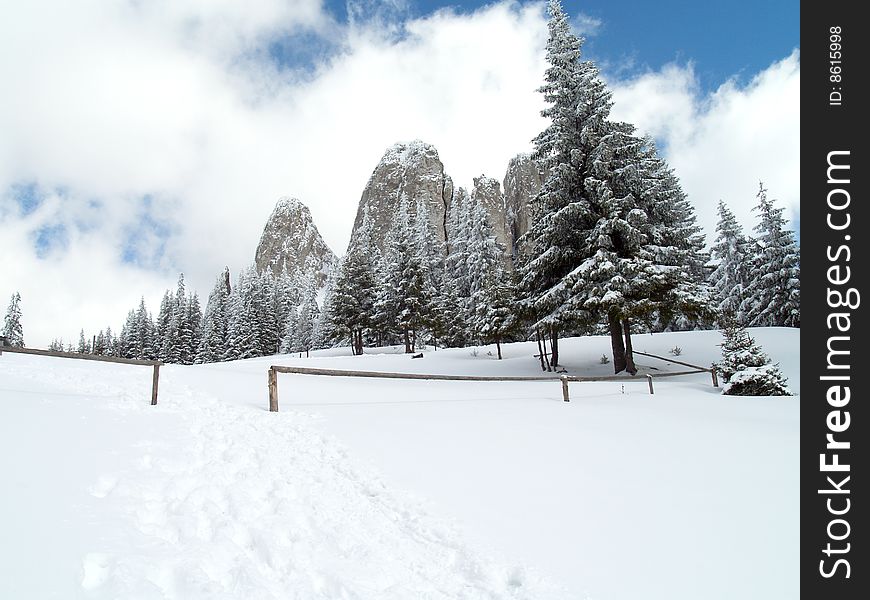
column 563, row 379
column 155, row 377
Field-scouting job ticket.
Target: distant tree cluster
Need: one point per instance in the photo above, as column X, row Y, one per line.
column 756, row 281
column 420, row 290
column 261, row 315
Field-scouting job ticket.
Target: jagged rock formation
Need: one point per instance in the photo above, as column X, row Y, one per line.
column 522, row 181
column 291, row 241
column 487, row 191
column 411, row 171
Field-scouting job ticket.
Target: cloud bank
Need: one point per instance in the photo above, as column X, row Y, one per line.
column 144, row 139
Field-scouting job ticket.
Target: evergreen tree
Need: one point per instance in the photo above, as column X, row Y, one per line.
column 303, row 338
column 773, row 294
column 12, row 329
column 729, row 278
column 56, row 345
column 213, row 340
column 166, row 332
column 193, row 329
column 352, row 300
column 494, row 316
column 747, row 370
column 561, row 217
column 612, row 236
column 407, row 292
column 290, row 326
column 84, row 347
column 243, row 331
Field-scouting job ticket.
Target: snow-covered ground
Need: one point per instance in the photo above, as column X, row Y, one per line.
column 378, row 488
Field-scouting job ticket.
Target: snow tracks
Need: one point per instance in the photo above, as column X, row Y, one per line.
column 254, row 505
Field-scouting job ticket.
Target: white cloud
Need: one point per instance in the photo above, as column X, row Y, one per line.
column 171, row 100
column 722, row 145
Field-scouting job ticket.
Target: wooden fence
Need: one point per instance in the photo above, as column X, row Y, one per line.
column 563, row 379
column 155, row 377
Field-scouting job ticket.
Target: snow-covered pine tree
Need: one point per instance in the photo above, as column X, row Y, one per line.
column 730, row 277
column 647, row 254
column 773, row 295
column 448, row 323
column 353, row 294
column 746, row 369
column 56, row 345
column 286, row 299
column 303, row 338
column 178, row 339
column 494, row 318
column 165, row 331
column 12, row 329
column 193, row 323
column 290, row 325
column 406, row 293
column 84, row 346
column 213, row 342
column 243, row 334
column 267, row 316
column 561, row 218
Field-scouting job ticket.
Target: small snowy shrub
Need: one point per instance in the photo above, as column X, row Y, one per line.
column 676, row 350
column 474, row 351
column 604, row 360
column 747, row 370
column 767, row 380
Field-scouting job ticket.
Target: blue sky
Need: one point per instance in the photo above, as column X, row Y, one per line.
column 723, row 39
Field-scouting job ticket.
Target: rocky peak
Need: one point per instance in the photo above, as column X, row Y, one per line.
column 522, row 181
column 487, row 192
column 291, row 241
column 410, row 171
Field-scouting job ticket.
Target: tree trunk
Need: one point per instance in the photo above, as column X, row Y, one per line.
column 498, row 347
column 407, row 342
column 544, row 353
column 629, row 357
column 540, row 349
column 554, row 345
column 616, row 343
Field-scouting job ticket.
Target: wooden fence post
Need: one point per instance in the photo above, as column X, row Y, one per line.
column 715, row 377
column 154, row 379
column 565, row 388
column 649, row 380
column 273, row 390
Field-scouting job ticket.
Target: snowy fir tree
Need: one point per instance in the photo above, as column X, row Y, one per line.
column 353, row 293
column 406, row 298
column 302, row 339
column 213, row 341
column 12, row 329
column 730, row 277
column 243, row 330
column 746, row 369
column 612, row 235
column 773, row 295
column 84, row 346
column 494, row 319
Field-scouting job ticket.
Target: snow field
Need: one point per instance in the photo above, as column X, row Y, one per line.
column 399, row 489
column 241, row 503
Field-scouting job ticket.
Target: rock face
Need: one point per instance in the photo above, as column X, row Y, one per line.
column 487, row 191
column 522, row 181
column 408, row 171
column 413, row 172
column 291, row 241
